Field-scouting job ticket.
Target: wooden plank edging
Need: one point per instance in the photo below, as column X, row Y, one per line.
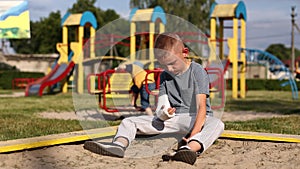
column 51, row 140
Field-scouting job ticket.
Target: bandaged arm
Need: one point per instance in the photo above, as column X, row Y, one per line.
column 162, row 108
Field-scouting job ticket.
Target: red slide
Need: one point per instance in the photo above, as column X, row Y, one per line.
column 58, row 73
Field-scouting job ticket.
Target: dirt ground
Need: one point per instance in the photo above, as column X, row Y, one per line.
column 224, row 154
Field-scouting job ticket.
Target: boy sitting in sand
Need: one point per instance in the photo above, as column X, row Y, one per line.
column 183, row 107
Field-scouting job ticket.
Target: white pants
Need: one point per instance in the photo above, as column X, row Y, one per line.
column 180, row 125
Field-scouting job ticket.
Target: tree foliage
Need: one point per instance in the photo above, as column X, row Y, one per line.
column 281, row 52
column 103, row 17
column 194, row 11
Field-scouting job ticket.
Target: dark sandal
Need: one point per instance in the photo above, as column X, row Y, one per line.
column 186, row 156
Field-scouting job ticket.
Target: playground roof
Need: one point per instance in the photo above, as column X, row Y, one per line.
column 146, row 15
column 79, row 19
column 228, row 11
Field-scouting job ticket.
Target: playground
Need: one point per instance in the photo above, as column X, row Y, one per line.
column 226, row 153
column 84, row 96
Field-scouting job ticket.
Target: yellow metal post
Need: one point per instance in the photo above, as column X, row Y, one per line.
column 212, row 41
column 92, row 55
column 64, row 57
column 221, row 31
column 234, row 58
column 132, row 41
column 65, row 34
column 161, row 27
column 92, row 42
column 243, row 59
column 80, row 78
column 64, row 54
column 92, row 83
column 151, row 44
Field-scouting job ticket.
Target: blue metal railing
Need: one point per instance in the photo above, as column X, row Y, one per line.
column 276, row 66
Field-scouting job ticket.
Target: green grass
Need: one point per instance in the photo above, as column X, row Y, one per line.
column 281, row 125
column 264, row 101
column 31, row 105
column 5, row 91
column 279, row 102
column 18, row 116
column 24, row 125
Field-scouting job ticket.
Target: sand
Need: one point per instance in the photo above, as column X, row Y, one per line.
column 225, row 153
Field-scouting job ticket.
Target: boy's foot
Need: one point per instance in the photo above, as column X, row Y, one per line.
column 185, row 155
column 107, row 149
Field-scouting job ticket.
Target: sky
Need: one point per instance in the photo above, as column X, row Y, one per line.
column 268, row 22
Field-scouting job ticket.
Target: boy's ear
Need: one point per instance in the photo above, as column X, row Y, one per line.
column 185, row 51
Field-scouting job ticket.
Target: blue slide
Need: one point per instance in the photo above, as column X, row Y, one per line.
column 276, row 66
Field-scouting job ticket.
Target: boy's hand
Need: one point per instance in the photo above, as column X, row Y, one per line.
column 164, row 115
column 185, row 139
column 171, row 110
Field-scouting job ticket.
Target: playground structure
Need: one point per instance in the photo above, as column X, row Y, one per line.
column 112, row 84
column 239, row 54
column 143, row 16
column 232, row 12
column 147, row 20
column 67, row 60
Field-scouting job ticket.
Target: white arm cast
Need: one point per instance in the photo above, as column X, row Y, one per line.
column 162, row 108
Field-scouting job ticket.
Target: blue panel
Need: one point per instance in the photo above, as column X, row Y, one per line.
column 65, row 17
column 132, row 13
column 240, row 11
column 212, row 8
column 88, row 17
column 159, row 13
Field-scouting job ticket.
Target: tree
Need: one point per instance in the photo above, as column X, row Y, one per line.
column 281, row 52
column 103, row 17
column 194, row 11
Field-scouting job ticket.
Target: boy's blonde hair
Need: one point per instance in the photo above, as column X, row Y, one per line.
column 167, row 42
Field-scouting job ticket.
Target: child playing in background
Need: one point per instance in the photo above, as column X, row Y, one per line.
column 138, row 75
column 183, row 107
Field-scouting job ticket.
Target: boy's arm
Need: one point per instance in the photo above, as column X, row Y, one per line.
column 201, row 115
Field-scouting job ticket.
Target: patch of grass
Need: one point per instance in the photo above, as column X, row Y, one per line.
column 24, row 125
column 281, row 125
column 280, row 102
column 31, row 105
column 5, row 91
column 18, row 115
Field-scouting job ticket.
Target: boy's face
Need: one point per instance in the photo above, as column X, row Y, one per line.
column 174, row 62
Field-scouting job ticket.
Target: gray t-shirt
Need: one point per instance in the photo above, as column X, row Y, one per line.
column 182, row 89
